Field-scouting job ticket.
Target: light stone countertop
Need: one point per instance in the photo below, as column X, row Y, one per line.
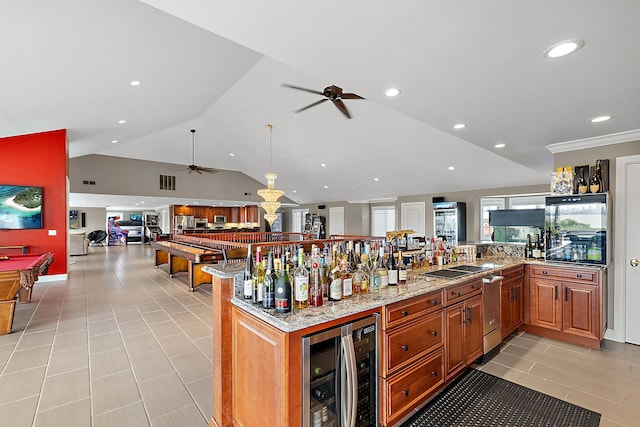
column 417, row 284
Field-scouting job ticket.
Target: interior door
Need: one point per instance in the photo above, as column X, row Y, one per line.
column 336, row 220
column 413, row 217
column 629, row 259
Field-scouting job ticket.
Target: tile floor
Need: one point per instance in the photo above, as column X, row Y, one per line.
column 122, row 344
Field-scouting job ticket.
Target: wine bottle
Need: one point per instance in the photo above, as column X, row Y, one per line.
column 357, row 280
column 392, row 270
column 315, row 279
column 270, row 278
column 325, row 279
column 335, row 287
column 402, row 270
column 528, row 250
column 536, row 247
column 583, row 186
column 346, row 276
column 301, row 283
column 282, row 295
column 383, row 276
column 248, row 275
column 595, row 183
column 258, row 278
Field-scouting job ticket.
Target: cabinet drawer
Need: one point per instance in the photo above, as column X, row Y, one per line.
column 413, row 386
column 403, row 311
column 512, row 273
column 408, row 343
column 457, row 293
column 565, row 273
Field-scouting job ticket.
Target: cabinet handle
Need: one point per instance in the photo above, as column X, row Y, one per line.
column 456, row 294
column 556, row 291
column 475, row 287
column 566, row 294
column 434, row 373
column 405, row 347
column 435, row 302
column 544, row 271
column 434, row 333
column 405, row 393
column 578, row 276
column 405, row 312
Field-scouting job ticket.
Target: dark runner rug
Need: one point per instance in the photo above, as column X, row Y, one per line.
column 480, row 399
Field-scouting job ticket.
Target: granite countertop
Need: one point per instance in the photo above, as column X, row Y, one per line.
column 417, row 284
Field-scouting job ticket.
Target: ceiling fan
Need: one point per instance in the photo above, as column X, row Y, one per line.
column 193, row 167
column 331, row 93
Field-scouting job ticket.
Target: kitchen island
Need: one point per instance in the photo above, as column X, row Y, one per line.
column 258, row 355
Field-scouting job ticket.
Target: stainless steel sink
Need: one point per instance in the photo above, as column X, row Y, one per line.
column 446, row 274
column 469, row 268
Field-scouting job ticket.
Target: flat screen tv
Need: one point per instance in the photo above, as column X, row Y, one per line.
column 20, row 207
column 135, row 217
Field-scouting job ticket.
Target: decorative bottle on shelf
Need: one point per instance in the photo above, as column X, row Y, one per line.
column 583, row 185
column 269, row 286
column 595, row 184
column 248, row 275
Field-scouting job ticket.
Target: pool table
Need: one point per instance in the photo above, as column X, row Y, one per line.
column 18, row 273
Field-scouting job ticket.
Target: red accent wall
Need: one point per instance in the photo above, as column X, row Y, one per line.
column 42, row 160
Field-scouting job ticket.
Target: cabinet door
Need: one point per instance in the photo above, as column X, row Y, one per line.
column 506, row 308
column 517, row 307
column 579, row 314
column 546, row 306
column 454, row 333
column 474, row 331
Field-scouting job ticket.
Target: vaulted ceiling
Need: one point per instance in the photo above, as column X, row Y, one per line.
column 218, row 67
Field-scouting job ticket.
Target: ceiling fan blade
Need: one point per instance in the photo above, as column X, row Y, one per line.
column 351, row 96
column 311, row 105
column 317, row 92
column 338, row 103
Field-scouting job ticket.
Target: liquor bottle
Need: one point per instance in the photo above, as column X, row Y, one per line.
column 315, row 285
column 258, row 278
column 583, row 186
column 325, row 279
column 364, row 284
column 357, row 280
column 346, row 275
column 528, row 250
column 248, row 275
column 335, row 287
column 282, row 295
column 301, row 283
column 392, row 270
column 536, row 247
column 402, row 270
column 382, row 271
column 270, row 278
column 595, row 184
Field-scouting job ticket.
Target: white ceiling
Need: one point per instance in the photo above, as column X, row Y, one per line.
column 217, row 67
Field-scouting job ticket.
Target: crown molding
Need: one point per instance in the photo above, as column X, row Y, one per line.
column 596, row 141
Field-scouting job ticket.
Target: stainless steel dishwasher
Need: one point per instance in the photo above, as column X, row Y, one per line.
column 491, row 315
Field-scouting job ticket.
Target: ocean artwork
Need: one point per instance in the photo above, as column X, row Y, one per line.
column 20, row 207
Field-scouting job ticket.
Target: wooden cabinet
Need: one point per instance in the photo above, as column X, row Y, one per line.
column 412, row 355
column 463, row 325
column 511, row 300
column 566, row 304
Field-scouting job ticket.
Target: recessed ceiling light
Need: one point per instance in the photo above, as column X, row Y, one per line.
column 294, row 191
column 326, row 186
column 231, row 154
column 323, row 165
column 115, row 141
column 142, row 203
column 392, row 92
column 451, row 168
column 135, row 83
column 122, row 121
column 500, row 145
column 376, row 179
column 563, row 48
column 600, row 119
column 459, row 126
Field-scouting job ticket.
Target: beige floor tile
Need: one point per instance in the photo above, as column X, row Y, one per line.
column 65, row 388
column 68, row 360
column 165, row 329
column 109, row 363
column 148, row 306
column 188, row 416
column 156, row 398
column 5, row 354
column 139, row 344
column 133, row 328
column 614, row 412
column 202, row 392
column 192, row 366
column 74, row 414
column 103, row 327
column 132, row 415
column 21, row 413
column 36, row 339
column 21, row 385
column 27, row 359
column 155, row 316
column 128, row 316
column 197, row 330
column 70, row 340
column 105, row 342
column 206, row 346
column 184, row 318
column 74, row 325
column 176, row 345
column 113, row 392
column 98, row 314
column 151, row 365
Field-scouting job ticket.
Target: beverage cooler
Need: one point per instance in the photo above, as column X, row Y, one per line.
column 340, row 376
column 576, row 228
column 450, row 221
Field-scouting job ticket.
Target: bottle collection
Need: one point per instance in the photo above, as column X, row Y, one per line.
column 536, row 247
column 585, row 181
column 287, row 279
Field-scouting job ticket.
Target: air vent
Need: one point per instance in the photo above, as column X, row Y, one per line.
column 168, row 182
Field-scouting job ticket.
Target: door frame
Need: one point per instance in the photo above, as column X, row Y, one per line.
column 618, row 332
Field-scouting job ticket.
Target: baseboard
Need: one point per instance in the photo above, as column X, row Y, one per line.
column 613, row 335
column 53, row 278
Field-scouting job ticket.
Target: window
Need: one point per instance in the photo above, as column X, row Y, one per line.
column 297, row 220
column 507, row 234
column 383, row 219
column 488, row 204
